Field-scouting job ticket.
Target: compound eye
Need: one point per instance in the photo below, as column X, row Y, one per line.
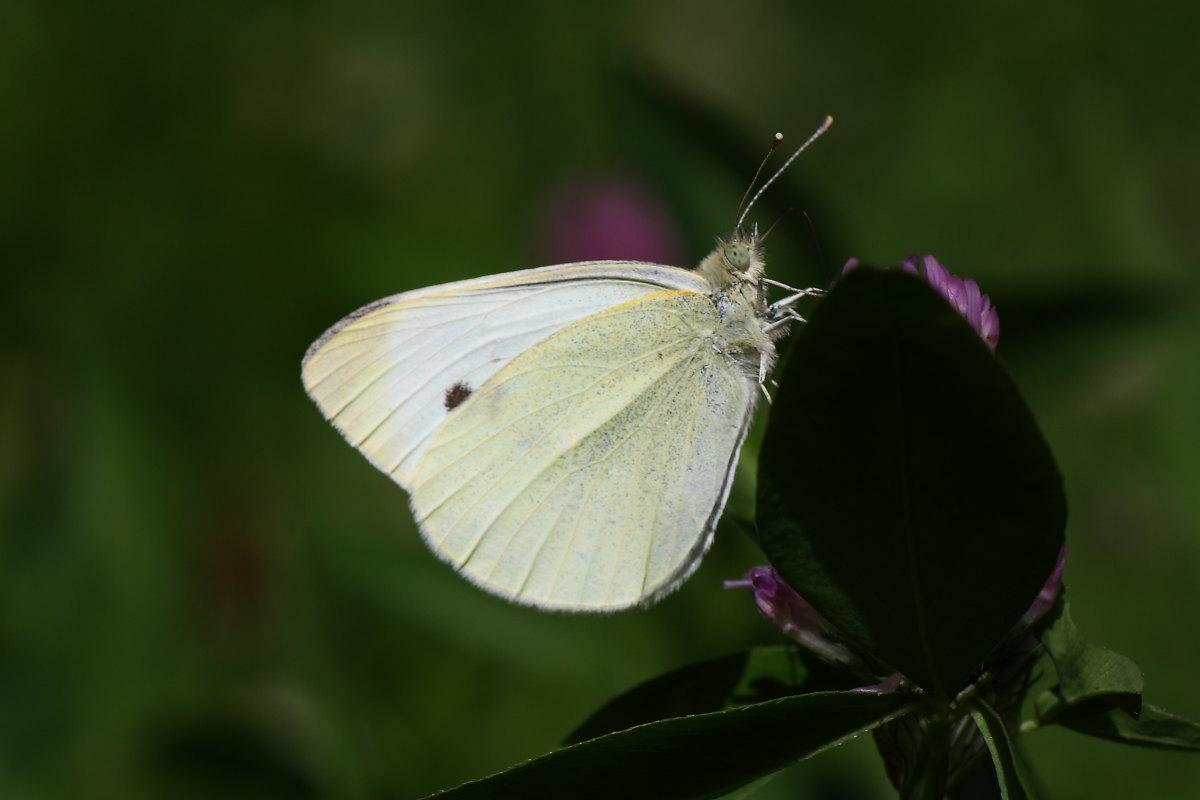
column 738, row 256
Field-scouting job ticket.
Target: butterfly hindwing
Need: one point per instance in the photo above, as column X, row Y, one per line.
column 588, row 473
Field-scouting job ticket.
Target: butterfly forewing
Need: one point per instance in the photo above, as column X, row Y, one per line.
column 588, row 473
column 383, row 374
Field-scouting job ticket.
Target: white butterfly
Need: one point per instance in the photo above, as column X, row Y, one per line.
column 568, row 434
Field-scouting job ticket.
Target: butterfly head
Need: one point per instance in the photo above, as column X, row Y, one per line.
column 736, row 260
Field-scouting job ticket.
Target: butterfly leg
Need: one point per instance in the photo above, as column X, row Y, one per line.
column 791, row 300
column 812, row 290
column 789, row 316
column 763, row 365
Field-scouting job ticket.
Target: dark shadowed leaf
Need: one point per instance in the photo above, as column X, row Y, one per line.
column 904, row 487
column 701, row 756
column 764, row 673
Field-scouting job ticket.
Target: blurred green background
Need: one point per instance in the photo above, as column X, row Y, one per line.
column 204, row 592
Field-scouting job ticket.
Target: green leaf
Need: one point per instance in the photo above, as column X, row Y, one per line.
column 763, row 673
column 700, row 756
column 750, row 790
column 904, row 488
column 1088, row 675
column 1153, row 727
column 1005, row 760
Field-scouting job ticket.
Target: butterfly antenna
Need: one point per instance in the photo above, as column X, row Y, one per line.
column 812, row 228
column 780, row 219
column 816, row 241
column 757, row 172
column 816, row 134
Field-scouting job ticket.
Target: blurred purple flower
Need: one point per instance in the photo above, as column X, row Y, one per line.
column 961, row 293
column 608, row 217
column 798, row 620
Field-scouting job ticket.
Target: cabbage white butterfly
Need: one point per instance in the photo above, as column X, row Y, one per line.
column 568, row 435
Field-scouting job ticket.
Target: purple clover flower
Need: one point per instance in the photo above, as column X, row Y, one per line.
column 1049, row 593
column 781, row 604
column 798, row 620
column 961, row 293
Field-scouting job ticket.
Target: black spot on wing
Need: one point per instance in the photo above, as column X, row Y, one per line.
column 456, row 395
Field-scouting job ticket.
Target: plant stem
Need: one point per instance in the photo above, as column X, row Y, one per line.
column 927, row 781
